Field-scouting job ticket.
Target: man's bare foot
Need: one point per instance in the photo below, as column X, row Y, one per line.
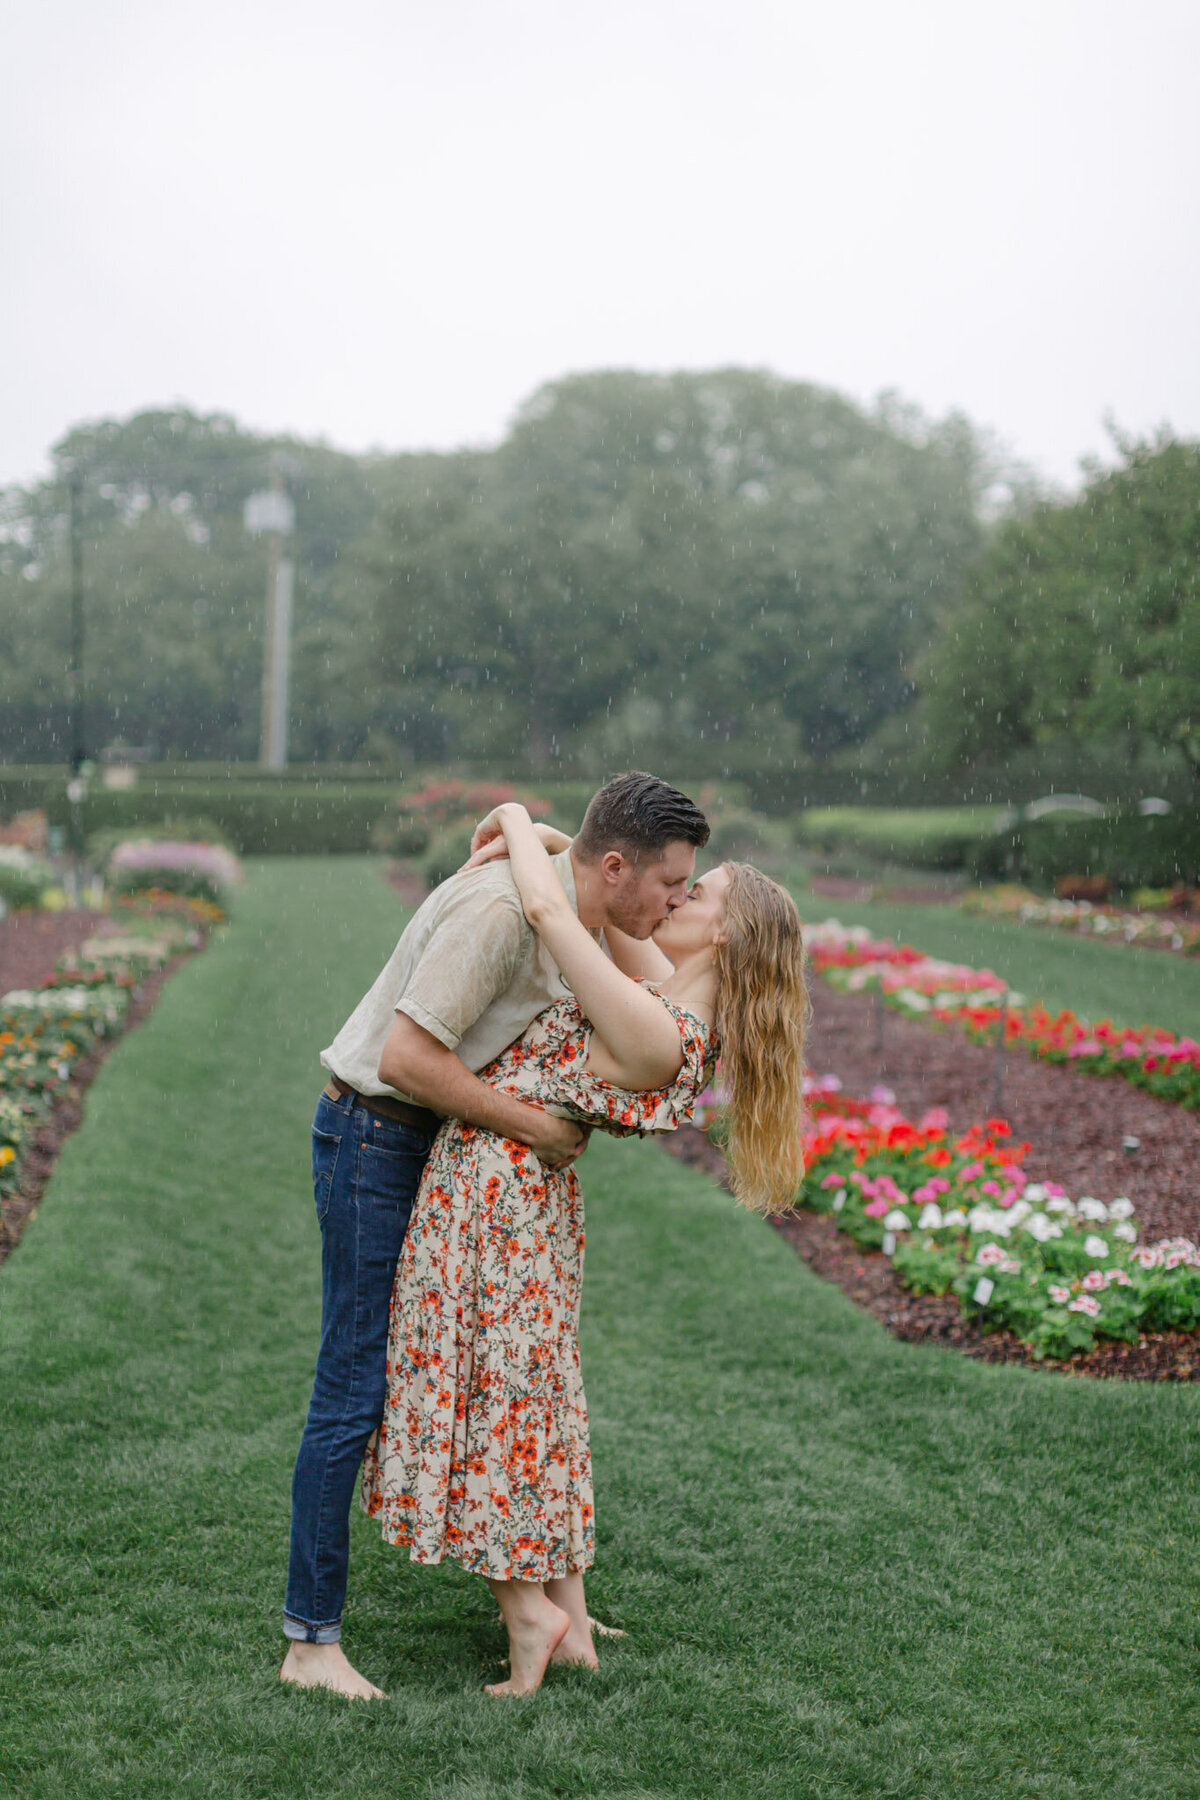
column 575, row 1647
column 535, row 1631
column 326, row 1666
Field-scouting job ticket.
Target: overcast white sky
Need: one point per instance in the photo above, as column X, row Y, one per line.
column 387, row 223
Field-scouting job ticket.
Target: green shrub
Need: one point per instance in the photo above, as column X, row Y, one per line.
column 448, row 850
column 279, row 818
column 931, row 837
column 1131, row 850
column 23, row 879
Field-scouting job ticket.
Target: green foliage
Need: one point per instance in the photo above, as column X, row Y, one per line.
column 1083, row 620
column 23, row 879
column 276, row 818
column 644, row 552
column 925, row 837
column 448, row 850
column 1133, row 850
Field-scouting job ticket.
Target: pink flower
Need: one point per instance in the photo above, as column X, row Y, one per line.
column 834, row 1181
column 990, row 1187
column 1092, row 1280
column 926, row 1191
column 1053, row 1191
column 1084, row 1303
column 1114, row 1275
column 970, row 1171
column 877, row 1208
column 1060, row 1295
column 990, row 1253
column 934, row 1118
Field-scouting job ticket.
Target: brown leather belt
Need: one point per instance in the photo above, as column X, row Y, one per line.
column 421, row 1118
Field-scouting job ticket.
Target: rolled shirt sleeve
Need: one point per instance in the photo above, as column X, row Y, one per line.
column 471, row 958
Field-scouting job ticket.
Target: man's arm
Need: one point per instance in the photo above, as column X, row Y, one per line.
column 416, row 1063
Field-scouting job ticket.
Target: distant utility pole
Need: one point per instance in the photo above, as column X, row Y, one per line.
column 77, row 785
column 272, row 512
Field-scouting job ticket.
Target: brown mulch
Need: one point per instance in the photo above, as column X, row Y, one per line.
column 41, row 1153
column 842, row 887
column 868, row 1278
column 32, row 942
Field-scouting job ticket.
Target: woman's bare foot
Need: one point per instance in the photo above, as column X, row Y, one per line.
column 326, row 1666
column 535, row 1629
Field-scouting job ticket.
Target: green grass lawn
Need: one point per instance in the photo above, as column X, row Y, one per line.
column 1133, row 987
column 849, row 1568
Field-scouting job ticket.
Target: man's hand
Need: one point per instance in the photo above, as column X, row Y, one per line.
column 561, row 1143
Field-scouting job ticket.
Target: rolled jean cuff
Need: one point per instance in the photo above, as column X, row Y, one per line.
column 312, row 1634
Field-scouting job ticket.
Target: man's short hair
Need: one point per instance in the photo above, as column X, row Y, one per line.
column 639, row 815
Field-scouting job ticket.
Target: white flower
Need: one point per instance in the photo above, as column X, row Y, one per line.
column 897, row 1221
column 1126, row 1232
column 1020, row 1211
column 1087, row 1208
column 979, row 1218
column 1009, row 1266
column 931, row 1217
column 1042, row 1229
column 1120, row 1208
column 1094, row 1246
column 956, row 1216
column 1035, row 1192
column 1060, row 1205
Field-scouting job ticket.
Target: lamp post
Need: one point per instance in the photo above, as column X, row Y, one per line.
column 271, row 511
column 77, row 785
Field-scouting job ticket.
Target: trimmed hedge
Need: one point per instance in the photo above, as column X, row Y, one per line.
column 1131, row 850
column 921, row 837
column 280, row 819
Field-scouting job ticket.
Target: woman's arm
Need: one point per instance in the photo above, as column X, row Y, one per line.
column 636, row 1031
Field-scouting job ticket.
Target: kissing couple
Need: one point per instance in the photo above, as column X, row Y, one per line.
column 550, row 987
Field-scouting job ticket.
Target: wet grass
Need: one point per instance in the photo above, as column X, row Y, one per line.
column 849, row 1568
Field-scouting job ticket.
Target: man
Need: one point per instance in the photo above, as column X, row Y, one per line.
column 466, row 978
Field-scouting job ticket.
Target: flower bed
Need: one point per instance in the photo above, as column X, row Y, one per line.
column 1086, row 918
column 1150, row 1057
column 46, row 1032
column 203, row 871
column 956, row 1215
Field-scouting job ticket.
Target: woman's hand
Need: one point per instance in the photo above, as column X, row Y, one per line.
column 488, row 843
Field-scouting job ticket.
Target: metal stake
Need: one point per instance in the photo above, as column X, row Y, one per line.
column 998, row 1077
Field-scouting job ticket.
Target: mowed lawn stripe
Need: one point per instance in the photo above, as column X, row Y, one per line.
column 848, row 1567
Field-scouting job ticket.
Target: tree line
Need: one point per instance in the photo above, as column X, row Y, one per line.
column 757, row 569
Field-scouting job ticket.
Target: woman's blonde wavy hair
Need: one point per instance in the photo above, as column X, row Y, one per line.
column 761, row 1014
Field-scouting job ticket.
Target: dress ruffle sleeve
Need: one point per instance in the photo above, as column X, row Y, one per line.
column 617, row 1109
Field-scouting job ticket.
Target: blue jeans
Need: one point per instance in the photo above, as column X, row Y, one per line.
column 366, row 1171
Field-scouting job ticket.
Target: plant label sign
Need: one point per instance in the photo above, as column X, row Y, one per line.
column 985, row 1287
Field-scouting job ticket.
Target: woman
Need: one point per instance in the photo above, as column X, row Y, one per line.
column 483, row 1451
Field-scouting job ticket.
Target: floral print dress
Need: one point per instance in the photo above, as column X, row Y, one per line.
column 483, row 1453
